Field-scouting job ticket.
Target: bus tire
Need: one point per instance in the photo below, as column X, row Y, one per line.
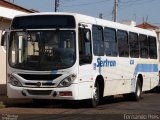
column 94, row 101
column 138, row 92
column 136, row 96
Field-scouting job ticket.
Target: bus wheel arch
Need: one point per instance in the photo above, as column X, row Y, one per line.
column 97, row 91
column 136, row 95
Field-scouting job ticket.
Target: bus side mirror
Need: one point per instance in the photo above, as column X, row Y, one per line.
column 3, row 38
column 87, row 36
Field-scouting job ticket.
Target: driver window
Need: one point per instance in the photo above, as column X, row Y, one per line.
column 85, row 50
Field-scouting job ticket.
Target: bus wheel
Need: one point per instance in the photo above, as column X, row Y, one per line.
column 136, row 96
column 138, row 93
column 95, row 97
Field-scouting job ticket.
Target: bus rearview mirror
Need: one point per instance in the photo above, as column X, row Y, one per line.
column 87, row 35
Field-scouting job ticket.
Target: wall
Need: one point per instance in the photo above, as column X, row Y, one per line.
column 158, row 36
column 7, row 12
column 3, row 25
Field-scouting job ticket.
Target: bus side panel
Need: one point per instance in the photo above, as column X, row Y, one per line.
column 150, row 80
column 149, row 71
column 118, row 76
column 86, row 78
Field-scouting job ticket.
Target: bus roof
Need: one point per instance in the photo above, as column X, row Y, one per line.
column 80, row 18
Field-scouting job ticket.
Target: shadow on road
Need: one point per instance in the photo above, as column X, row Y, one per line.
column 155, row 90
column 57, row 103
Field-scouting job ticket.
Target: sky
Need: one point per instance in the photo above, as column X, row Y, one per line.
column 136, row 10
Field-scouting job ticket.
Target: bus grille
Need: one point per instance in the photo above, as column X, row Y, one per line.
column 43, row 84
column 39, row 92
column 40, row 77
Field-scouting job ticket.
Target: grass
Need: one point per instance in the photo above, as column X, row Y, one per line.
column 2, row 105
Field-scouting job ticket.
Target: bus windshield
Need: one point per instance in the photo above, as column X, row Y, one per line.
column 42, row 50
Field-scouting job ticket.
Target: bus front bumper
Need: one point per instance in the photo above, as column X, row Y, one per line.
column 65, row 93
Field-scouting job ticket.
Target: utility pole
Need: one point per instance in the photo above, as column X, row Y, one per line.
column 56, row 5
column 100, row 15
column 115, row 10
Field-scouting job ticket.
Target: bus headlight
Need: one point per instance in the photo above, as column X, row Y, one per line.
column 67, row 81
column 13, row 81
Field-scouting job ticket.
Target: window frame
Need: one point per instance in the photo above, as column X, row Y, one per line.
column 115, row 41
column 126, row 32
column 150, row 47
column 129, row 42
column 143, row 47
column 86, row 29
column 99, row 53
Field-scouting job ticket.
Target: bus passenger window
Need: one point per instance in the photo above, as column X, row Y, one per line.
column 110, row 42
column 85, row 50
column 143, row 46
column 123, row 46
column 133, row 45
column 98, row 44
column 152, row 47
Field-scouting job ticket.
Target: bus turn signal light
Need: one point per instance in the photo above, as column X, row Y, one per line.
column 65, row 93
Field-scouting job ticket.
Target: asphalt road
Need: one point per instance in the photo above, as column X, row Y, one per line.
column 148, row 108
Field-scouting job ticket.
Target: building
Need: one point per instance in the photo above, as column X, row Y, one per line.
column 150, row 27
column 7, row 12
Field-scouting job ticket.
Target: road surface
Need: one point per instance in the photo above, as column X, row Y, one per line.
column 148, row 108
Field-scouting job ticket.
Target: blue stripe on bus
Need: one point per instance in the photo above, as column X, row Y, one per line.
column 146, row 68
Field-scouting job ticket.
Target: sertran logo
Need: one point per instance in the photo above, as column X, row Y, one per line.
column 105, row 63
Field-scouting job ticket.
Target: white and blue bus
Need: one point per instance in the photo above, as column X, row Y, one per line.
column 70, row 56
